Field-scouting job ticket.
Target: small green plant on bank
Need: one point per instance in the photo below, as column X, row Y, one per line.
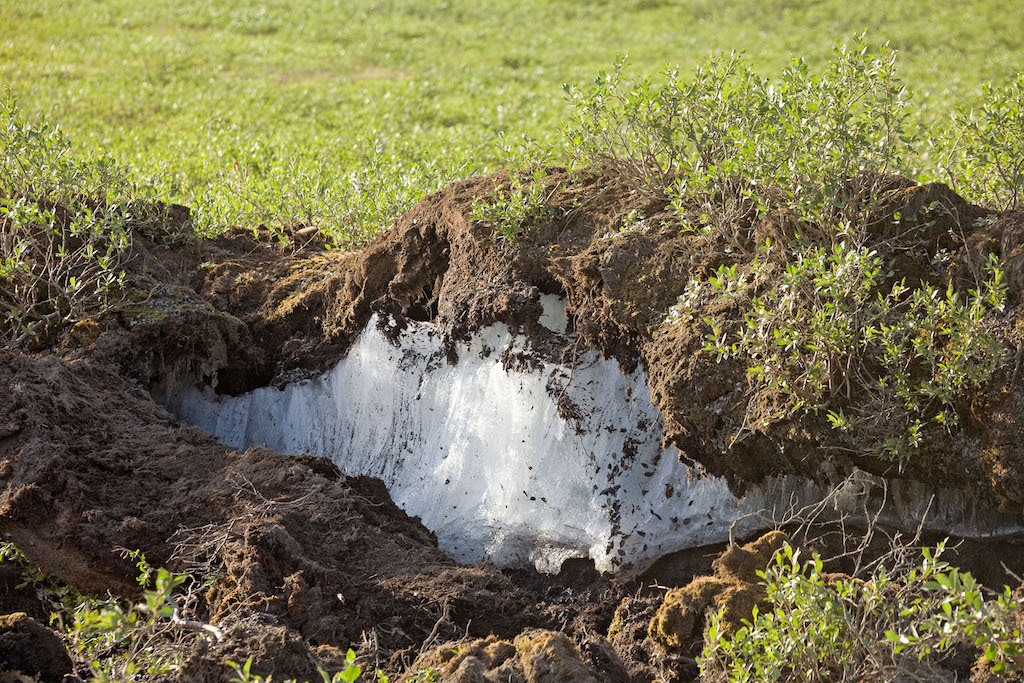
column 632, row 222
column 350, row 674
column 982, row 154
column 54, row 593
column 510, row 208
column 114, row 639
column 65, row 226
column 889, row 626
column 827, row 334
column 120, row 641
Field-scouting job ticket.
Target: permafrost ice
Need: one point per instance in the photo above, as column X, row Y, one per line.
column 481, row 452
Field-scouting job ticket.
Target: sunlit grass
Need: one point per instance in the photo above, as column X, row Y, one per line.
column 292, row 112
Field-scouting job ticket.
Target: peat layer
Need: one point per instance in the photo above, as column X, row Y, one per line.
column 306, row 562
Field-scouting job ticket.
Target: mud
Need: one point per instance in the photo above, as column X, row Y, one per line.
column 305, row 562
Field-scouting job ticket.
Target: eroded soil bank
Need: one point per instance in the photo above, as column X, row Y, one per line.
column 307, row 562
column 303, row 310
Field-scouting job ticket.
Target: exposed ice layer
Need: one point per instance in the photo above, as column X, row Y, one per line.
column 554, row 315
column 519, row 462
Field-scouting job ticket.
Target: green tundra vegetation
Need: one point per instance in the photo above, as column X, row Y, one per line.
column 342, row 114
column 287, row 114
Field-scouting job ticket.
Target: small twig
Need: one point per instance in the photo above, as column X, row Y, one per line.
column 179, row 620
column 437, row 627
column 252, row 487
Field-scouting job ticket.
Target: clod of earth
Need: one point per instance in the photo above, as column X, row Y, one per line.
column 734, row 587
column 29, row 649
column 535, row 656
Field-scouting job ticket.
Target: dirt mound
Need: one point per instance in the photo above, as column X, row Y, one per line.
column 236, row 313
column 678, row 625
column 30, row 649
column 621, row 285
column 535, row 656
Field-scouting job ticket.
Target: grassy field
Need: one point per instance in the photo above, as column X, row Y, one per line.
column 341, row 114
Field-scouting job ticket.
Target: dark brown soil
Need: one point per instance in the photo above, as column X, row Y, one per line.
column 32, row 650
column 307, row 562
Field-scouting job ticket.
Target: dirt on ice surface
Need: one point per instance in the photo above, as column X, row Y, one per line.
column 305, row 561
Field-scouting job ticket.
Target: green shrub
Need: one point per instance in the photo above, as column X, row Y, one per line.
column 115, row 639
column 894, row 625
column 982, row 154
column 120, row 641
column 65, row 227
column 522, row 199
column 59, row 597
column 731, row 143
column 825, row 332
column 825, row 328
